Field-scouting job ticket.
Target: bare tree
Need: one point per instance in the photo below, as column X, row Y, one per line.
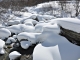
column 77, row 7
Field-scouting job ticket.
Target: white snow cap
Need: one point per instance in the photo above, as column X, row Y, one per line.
column 52, row 53
column 2, row 44
column 25, row 44
column 4, row 33
column 13, row 55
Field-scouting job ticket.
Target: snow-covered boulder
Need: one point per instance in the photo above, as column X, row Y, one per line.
column 31, row 21
column 4, row 33
column 25, row 44
column 13, row 22
column 33, row 16
column 51, row 53
column 13, row 55
column 68, row 23
column 54, row 28
column 39, row 26
column 2, row 44
column 26, row 28
column 32, row 37
column 28, row 23
column 48, row 17
column 40, row 18
column 14, row 36
column 67, row 50
column 10, row 40
column 14, row 29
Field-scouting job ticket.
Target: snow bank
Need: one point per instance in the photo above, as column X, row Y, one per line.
column 46, row 53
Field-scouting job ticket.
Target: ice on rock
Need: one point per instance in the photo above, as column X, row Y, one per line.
column 4, row 33
column 25, row 44
column 2, row 44
column 13, row 55
column 46, row 53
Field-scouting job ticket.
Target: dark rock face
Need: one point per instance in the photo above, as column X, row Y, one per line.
column 72, row 36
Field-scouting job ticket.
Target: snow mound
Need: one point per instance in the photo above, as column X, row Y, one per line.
column 13, row 55
column 52, row 53
column 4, row 33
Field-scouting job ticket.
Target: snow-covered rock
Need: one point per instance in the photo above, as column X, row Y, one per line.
column 46, row 53
column 14, row 36
column 25, row 44
column 48, row 17
column 4, row 33
column 2, row 44
column 40, row 18
column 13, row 22
column 67, row 50
column 68, row 23
column 10, row 40
column 54, row 28
column 14, row 29
column 26, row 28
column 13, row 55
column 39, row 26
column 32, row 37
column 31, row 21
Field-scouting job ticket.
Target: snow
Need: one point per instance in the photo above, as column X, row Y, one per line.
column 14, row 29
column 2, row 44
column 32, row 37
column 38, row 26
column 13, row 55
column 10, row 40
column 68, row 23
column 68, row 51
column 4, row 33
column 13, row 22
column 46, row 53
column 25, row 44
